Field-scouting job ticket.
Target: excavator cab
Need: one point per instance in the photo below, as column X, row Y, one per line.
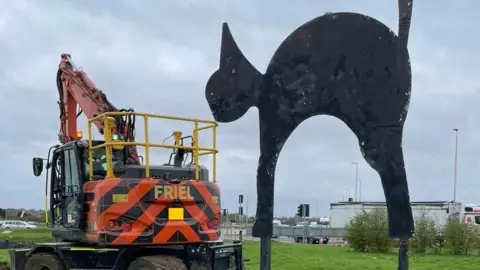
column 67, row 171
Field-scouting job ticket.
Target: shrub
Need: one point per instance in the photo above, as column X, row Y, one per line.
column 462, row 238
column 425, row 235
column 356, row 234
column 368, row 231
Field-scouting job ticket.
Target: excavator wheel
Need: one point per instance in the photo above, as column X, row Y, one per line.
column 44, row 261
column 159, row 262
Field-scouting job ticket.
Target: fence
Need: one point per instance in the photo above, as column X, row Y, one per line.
column 285, row 234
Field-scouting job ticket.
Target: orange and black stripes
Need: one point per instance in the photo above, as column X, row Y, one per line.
column 149, row 216
column 135, row 191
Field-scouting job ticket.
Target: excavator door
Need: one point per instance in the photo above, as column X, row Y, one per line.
column 65, row 189
column 69, row 185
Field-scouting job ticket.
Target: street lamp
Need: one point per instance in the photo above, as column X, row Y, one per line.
column 455, row 166
column 356, row 178
column 360, row 190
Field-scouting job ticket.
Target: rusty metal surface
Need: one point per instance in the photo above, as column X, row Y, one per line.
column 345, row 65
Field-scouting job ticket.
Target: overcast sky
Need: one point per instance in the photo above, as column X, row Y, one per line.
column 156, row 56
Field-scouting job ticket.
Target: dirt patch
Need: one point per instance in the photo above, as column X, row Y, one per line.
column 4, row 266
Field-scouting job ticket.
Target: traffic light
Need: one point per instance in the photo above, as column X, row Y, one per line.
column 224, row 212
column 300, row 210
column 240, row 211
column 303, row 210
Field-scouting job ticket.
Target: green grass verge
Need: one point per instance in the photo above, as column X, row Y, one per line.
column 315, row 257
column 4, row 256
column 307, row 257
column 26, row 235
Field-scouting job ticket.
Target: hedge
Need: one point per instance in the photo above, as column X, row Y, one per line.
column 368, row 232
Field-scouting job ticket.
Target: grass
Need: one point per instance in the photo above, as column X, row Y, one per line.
column 26, row 235
column 307, row 257
column 315, row 257
column 4, row 256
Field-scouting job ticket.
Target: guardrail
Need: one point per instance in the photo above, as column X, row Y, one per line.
column 289, row 232
column 108, row 123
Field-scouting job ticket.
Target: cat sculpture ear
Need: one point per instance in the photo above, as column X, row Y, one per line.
column 234, row 88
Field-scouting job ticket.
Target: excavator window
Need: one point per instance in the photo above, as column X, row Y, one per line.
column 72, row 186
column 100, row 162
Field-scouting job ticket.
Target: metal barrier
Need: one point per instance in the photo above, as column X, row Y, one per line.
column 286, row 234
column 197, row 151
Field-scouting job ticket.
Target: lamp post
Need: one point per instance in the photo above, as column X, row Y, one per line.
column 356, row 179
column 455, row 166
column 360, row 190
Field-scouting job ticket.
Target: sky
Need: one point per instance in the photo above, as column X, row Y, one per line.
column 156, row 56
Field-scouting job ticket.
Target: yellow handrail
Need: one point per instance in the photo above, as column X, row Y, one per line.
column 196, row 149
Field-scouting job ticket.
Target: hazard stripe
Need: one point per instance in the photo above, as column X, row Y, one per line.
column 123, row 187
column 131, row 215
column 189, row 235
column 189, row 230
column 116, row 210
column 176, row 226
column 97, row 193
column 164, row 235
column 145, row 221
column 200, row 201
column 207, row 195
column 157, row 209
column 144, row 215
column 202, row 220
column 138, row 209
column 202, row 214
column 196, row 227
column 104, row 187
column 178, row 238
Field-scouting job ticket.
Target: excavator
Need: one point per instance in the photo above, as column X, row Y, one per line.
column 109, row 208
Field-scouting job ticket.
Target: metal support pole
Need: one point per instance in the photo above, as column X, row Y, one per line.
column 246, row 210
column 234, row 235
column 360, row 190
column 305, row 234
column 265, row 253
column 403, row 254
column 455, row 167
column 356, row 179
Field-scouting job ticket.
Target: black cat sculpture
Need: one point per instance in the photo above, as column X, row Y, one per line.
column 346, row 65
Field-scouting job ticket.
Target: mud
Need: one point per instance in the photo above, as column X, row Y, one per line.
column 4, row 266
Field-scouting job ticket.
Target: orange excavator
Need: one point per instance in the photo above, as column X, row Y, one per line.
column 109, row 208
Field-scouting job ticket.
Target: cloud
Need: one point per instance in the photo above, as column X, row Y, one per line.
column 156, row 56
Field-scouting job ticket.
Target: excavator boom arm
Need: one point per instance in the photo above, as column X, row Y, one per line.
column 76, row 89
